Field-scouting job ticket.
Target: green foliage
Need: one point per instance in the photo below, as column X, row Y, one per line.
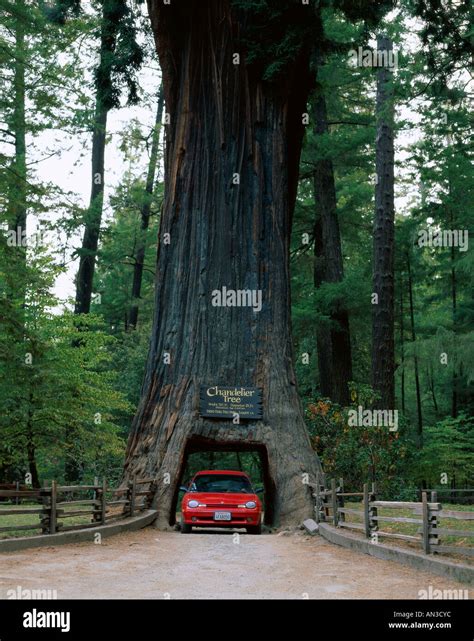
column 51, row 385
column 446, row 34
column 275, row 32
column 121, row 54
column 358, row 454
column 448, row 451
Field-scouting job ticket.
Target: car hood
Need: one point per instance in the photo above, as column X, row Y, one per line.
column 224, row 497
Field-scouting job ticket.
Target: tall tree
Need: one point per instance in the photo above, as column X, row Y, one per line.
column 333, row 342
column 419, row 413
column 236, row 81
column 383, row 345
column 18, row 185
column 145, row 211
column 120, row 55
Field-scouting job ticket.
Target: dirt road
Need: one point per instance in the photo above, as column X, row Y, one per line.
column 153, row 564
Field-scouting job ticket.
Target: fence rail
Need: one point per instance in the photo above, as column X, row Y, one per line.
column 463, row 495
column 427, row 514
column 55, row 503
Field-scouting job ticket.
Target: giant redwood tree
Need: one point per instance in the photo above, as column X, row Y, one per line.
column 383, row 311
column 236, row 77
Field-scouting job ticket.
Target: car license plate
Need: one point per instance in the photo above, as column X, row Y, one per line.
column 222, row 516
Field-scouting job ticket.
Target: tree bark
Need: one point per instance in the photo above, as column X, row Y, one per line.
column 431, row 383
column 32, row 467
column 30, row 445
column 419, row 412
column 402, row 346
column 90, row 240
column 383, row 346
column 145, row 216
column 454, row 389
column 225, row 120
column 333, row 342
column 87, row 253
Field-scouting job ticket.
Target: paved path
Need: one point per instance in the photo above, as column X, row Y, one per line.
column 154, row 564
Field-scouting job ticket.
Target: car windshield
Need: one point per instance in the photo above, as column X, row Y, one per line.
column 221, row 483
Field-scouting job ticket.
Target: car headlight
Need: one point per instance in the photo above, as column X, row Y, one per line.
column 193, row 503
column 250, row 504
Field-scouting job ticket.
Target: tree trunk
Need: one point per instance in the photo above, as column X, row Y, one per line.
column 32, row 467
column 432, row 388
column 30, row 445
column 231, row 171
column 90, row 241
column 383, row 346
column 415, row 358
column 402, row 346
column 454, row 391
column 73, row 467
column 17, row 171
column 323, row 332
column 145, row 216
column 333, row 343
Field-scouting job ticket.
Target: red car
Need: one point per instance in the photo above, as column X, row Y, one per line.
column 221, row 498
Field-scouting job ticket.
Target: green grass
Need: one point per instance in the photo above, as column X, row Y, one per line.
column 11, row 520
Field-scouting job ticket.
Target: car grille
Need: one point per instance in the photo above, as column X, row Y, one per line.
column 227, row 506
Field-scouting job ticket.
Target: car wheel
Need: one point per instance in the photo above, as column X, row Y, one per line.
column 186, row 528
column 254, row 529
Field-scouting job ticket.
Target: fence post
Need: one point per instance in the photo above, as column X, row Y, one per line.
column 52, row 509
column 324, row 498
column 434, row 521
column 45, row 514
column 17, row 498
column 366, row 511
column 334, row 502
column 103, row 502
column 373, row 524
column 426, row 523
column 341, row 515
column 317, row 499
column 96, row 497
column 132, row 492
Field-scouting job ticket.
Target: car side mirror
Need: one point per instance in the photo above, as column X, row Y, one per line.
column 183, row 488
column 259, row 490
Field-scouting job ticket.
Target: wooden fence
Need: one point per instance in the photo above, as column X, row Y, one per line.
column 97, row 503
column 464, row 495
column 427, row 514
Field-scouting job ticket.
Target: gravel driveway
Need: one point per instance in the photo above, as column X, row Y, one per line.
column 212, row 565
